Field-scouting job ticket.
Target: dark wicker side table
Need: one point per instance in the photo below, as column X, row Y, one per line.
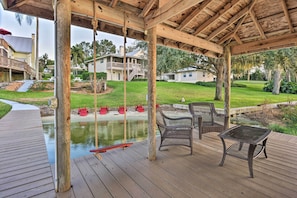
column 253, row 136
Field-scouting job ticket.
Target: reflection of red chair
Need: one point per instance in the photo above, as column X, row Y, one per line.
column 121, row 110
column 139, row 108
column 83, row 111
column 103, row 110
column 157, row 106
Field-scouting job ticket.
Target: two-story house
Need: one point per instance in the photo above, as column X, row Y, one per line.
column 113, row 65
column 17, row 57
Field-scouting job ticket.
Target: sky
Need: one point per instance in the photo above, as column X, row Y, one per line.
column 46, row 33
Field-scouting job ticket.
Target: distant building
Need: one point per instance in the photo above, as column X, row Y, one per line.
column 113, row 65
column 17, row 57
column 188, row 75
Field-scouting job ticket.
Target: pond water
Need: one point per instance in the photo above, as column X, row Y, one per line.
column 83, row 136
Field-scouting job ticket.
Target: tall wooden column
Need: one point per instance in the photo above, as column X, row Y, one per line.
column 227, row 84
column 62, row 93
column 152, row 68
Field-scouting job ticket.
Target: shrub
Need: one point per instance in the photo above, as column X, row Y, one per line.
column 286, row 87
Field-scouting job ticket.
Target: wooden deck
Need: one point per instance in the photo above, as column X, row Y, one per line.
column 177, row 174
column 25, row 171
column 24, row 166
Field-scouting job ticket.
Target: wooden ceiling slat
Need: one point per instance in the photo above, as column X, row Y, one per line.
column 226, row 9
column 190, row 17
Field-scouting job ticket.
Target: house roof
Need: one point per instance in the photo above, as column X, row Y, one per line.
column 200, row 26
column 19, row 44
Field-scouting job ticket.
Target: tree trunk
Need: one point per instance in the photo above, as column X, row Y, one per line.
column 277, row 80
column 219, row 81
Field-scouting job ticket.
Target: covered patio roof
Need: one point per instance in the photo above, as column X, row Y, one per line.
column 201, row 26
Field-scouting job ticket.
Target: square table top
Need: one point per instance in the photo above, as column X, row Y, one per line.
column 245, row 134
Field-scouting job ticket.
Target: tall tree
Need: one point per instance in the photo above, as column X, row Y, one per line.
column 20, row 17
column 216, row 67
column 281, row 60
column 77, row 55
column 242, row 64
column 104, row 47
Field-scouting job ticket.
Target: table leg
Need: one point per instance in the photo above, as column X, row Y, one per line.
column 224, row 152
column 250, row 158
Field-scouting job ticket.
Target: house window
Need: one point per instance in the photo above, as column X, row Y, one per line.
column 203, row 74
column 101, row 60
column 190, row 74
column 185, row 75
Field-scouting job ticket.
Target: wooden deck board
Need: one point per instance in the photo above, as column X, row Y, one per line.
column 25, row 171
column 24, row 166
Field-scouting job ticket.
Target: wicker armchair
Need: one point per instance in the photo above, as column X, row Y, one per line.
column 205, row 118
column 175, row 131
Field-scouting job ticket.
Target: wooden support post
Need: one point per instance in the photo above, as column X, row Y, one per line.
column 62, row 93
column 152, row 68
column 227, row 85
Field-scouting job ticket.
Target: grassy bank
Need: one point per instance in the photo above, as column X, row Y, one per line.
column 167, row 93
column 4, row 109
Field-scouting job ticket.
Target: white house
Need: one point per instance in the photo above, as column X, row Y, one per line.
column 113, row 65
column 189, row 75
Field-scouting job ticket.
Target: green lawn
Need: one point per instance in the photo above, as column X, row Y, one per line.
column 167, row 93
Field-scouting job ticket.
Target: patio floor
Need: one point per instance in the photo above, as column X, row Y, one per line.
column 175, row 173
column 25, row 171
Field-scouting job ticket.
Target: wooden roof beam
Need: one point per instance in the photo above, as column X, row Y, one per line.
column 169, row 10
column 287, row 15
column 170, row 33
column 258, row 26
column 113, row 3
column 233, row 19
column 226, row 8
column 191, row 17
column 269, row 43
column 82, row 7
column 147, row 8
column 233, row 33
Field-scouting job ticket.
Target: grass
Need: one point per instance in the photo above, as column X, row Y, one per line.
column 4, row 109
column 167, row 93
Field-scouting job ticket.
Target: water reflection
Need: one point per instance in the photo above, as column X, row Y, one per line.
column 83, row 136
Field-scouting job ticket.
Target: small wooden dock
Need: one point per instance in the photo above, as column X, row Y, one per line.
column 25, row 171
column 128, row 173
column 24, row 166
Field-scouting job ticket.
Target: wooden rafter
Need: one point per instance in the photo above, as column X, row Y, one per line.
column 269, row 43
column 169, row 10
column 217, row 16
column 113, row 3
column 231, row 21
column 233, row 33
column 117, row 18
column 147, row 8
column 174, row 34
column 258, row 26
column 287, row 15
column 190, row 17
